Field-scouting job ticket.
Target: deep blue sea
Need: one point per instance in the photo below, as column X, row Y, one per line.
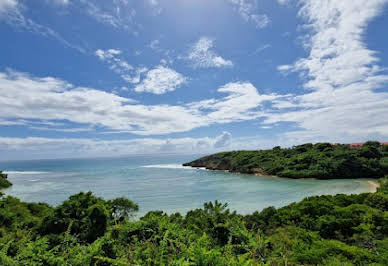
column 161, row 183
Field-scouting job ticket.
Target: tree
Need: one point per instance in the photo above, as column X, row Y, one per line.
column 82, row 213
column 122, row 209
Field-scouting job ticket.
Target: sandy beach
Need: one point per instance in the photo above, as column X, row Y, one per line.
column 373, row 186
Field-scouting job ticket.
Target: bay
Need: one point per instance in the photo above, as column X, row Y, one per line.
column 159, row 182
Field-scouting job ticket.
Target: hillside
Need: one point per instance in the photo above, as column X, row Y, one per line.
column 321, row 161
column 87, row 230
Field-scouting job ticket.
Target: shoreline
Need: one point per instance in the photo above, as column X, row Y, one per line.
column 373, row 186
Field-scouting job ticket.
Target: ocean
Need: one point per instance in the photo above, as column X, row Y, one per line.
column 161, row 183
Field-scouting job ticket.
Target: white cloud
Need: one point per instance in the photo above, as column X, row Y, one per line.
column 262, row 48
column 202, row 55
column 116, row 14
column 158, row 80
column 342, row 75
column 37, row 148
column 60, row 2
column 8, row 6
column 223, row 140
column 50, row 99
column 261, row 21
column 11, row 13
column 19, row 148
column 246, row 9
column 155, row 6
column 283, row 2
column 110, row 56
column 161, row 80
column 120, row 66
column 154, row 45
column 135, row 78
column 242, row 103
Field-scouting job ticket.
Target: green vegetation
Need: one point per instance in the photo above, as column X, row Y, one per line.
column 321, row 160
column 4, row 183
column 87, row 230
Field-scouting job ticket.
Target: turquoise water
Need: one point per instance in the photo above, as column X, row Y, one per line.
column 161, row 183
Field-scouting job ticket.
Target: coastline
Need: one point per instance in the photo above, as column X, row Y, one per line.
column 373, row 186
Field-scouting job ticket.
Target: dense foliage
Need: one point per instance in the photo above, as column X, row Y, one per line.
column 4, row 183
column 321, row 160
column 87, row 230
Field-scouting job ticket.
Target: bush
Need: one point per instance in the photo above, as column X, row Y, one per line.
column 4, row 183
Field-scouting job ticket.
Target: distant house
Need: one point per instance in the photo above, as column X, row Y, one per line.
column 358, row 144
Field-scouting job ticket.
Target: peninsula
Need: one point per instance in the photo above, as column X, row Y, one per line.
column 320, row 161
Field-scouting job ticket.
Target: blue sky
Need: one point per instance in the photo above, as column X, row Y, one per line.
column 98, row 78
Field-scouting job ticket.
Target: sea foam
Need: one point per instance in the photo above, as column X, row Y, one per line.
column 24, row 172
column 167, row 166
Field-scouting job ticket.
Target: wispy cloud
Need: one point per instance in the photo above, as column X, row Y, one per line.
column 262, row 48
column 60, row 2
column 11, row 13
column 155, row 6
column 246, row 9
column 111, row 56
column 341, row 74
column 283, row 2
column 117, row 14
column 120, row 66
column 202, row 55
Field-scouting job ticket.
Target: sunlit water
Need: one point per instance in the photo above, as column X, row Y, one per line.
column 161, row 183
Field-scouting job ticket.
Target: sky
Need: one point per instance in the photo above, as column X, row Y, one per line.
column 91, row 78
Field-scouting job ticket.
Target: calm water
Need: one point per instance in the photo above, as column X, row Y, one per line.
column 160, row 183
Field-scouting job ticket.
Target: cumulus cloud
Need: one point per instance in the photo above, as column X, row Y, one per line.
column 108, row 54
column 161, row 80
column 246, row 9
column 158, row 80
column 50, row 99
column 342, row 74
column 223, row 140
column 202, row 55
column 242, row 103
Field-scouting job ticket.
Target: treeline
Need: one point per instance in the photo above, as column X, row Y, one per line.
column 4, row 183
column 321, row 160
column 87, row 230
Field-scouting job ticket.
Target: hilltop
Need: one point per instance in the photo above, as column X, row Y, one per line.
column 321, row 161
